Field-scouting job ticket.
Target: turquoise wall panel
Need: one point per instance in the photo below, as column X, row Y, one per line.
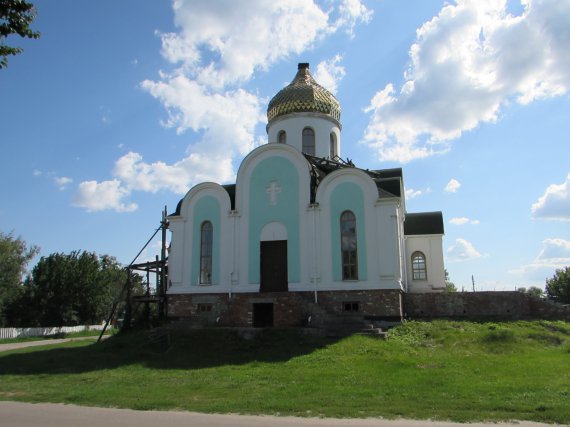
column 206, row 208
column 279, row 206
column 348, row 197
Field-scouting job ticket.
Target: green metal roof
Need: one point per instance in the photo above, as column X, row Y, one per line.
column 422, row 223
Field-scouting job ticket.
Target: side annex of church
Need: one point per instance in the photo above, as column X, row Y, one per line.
column 302, row 234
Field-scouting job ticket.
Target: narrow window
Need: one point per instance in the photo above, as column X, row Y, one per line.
column 419, row 271
column 282, row 137
column 308, row 141
column 206, row 242
column 332, row 153
column 348, row 246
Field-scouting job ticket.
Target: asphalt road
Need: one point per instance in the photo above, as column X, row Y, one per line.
column 16, row 414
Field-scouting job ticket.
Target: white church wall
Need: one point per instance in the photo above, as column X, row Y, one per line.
column 176, row 253
column 184, row 267
column 378, row 230
column 388, row 257
column 293, row 125
column 432, row 247
column 244, row 206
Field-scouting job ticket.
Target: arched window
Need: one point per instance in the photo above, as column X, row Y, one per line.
column 308, row 141
column 348, row 246
column 282, row 137
column 206, row 243
column 332, row 153
column 419, row 271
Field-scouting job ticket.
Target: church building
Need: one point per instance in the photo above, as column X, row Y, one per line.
column 303, row 235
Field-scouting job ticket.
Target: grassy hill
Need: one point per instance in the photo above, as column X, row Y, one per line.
column 459, row 371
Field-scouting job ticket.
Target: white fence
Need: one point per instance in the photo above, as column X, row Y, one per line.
column 42, row 332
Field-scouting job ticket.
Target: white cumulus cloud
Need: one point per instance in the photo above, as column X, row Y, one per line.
column 62, row 182
column 462, row 250
column 554, row 204
column 466, row 64
column 95, row 196
column 351, row 12
column 411, row 193
column 463, row 221
column 243, row 38
column 452, row 186
column 217, row 48
column 555, row 253
column 330, row 73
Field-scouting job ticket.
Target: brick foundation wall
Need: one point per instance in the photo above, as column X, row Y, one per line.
column 290, row 309
column 481, row 305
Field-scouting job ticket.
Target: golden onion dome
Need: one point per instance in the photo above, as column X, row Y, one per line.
column 303, row 95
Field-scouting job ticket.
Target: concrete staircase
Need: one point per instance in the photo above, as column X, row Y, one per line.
column 343, row 325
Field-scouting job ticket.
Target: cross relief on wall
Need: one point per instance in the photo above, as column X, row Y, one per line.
column 273, row 189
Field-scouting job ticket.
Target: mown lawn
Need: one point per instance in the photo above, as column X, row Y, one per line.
column 458, row 371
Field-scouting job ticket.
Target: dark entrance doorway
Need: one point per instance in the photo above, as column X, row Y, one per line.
column 263, row 315
column 273, row 265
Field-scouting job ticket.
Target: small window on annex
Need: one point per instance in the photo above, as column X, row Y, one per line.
column 308, row 141
column 206, row 243
column 282, row 137
column 204, row 308
column 348, row 246
column 351, row 306
column 332, row 153
column 419, row 271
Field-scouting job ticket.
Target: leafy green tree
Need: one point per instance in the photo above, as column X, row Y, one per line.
column 533, row 290
column 15, row 18
column 70, row 289
column 558, row 287
column 14, row 257
column 449, row 285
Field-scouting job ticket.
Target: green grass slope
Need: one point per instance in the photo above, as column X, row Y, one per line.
column 457, row 371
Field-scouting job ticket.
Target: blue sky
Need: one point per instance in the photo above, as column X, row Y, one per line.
column 122, row 106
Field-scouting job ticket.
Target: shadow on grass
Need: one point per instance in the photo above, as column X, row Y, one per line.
column 179, row 350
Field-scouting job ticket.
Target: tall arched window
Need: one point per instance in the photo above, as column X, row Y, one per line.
column 206, row 243
column 282, row 137
column 419, row 271
column 308, row 141
column 332, row 150
column 348, row 246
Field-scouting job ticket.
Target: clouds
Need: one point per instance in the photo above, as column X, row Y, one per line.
column 62, row 182
column 452, row 186
column 94, row 196
column 555, row 253
column 217, row 50
column 467, row 63
column 554, row 204
column 242, row 38
column 462, row 250
column 220, row 43
column 463, row 221
column 329, row 73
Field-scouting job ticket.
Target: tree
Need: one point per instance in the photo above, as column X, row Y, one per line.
column 449, row 286
column 69, row 289
column 15, row 18
column 533, row 290
column 14, row 257
column 558, row 287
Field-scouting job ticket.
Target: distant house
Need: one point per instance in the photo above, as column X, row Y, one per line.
column 302, row 232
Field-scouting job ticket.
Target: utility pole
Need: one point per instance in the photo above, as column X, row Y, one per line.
column 473, row 281
column 163, row 284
